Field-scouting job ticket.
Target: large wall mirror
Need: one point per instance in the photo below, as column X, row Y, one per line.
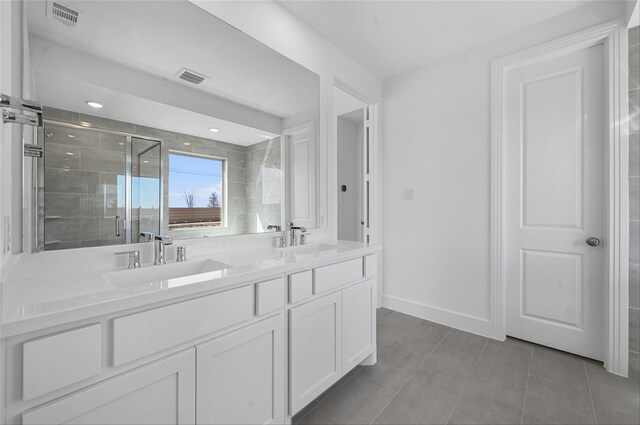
column 159, row 118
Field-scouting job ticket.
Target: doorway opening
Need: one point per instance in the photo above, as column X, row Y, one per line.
column 353, row 150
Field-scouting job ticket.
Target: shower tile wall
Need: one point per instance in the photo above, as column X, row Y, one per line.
column 81, row 180
column 263, row 185
column 634, row 202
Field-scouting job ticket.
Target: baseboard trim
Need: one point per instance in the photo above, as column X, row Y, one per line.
column 449, row 318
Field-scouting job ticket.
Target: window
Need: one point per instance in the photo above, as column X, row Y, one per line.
column 196, row 195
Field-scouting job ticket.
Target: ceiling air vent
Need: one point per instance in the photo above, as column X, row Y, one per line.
column 64, row 14
column 190, row 76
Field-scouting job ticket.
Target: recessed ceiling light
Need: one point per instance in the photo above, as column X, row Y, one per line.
column 187, row 143
column 145, row 161
column 214, row 130
column 121, row 143
column 94, row 104
column 69, row 153
column 71, row 136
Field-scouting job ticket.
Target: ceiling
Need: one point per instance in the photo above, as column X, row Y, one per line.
column 390, row 38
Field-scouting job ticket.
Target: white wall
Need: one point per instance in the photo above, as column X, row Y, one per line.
column 437, row 142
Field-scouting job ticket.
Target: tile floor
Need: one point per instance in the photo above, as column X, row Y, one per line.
column 431, row 374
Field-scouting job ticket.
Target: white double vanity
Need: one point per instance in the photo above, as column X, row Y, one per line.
column 200, row 147
column 237, row 337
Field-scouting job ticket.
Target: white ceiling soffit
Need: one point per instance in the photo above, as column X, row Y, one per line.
column 162, row 37
column 122, row 107
column 344, row 103
column 390, row 38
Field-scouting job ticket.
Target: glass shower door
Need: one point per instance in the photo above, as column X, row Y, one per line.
column 146, row 188
column 84, row 187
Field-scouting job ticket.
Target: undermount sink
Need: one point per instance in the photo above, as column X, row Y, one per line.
column 314, row 248
column 151, row 274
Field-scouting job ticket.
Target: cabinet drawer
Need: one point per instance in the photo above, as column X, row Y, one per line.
column 300, row 286
column 370, row 265
column 59, row 360
column 269, row 296
column 335, row 275
column 149, row 332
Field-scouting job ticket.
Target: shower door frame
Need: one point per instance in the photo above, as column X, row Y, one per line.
column 38, row 212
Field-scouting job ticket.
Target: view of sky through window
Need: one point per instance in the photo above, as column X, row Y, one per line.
column 196, row 175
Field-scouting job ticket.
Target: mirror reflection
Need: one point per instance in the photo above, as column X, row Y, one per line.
column 178, row 134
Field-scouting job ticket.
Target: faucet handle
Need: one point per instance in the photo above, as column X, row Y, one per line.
column 281, row 241
column 181, row 254
column 166, row 240
column 303, row 237
column 147, row 236
column 134, row 258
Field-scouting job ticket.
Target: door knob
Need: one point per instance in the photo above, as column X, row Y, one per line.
column 593, row 241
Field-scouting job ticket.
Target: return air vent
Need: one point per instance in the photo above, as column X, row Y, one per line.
column 64, row 14
column 191, row 76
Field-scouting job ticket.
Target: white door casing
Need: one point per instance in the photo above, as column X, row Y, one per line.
column 612, row 37
column 554, row 130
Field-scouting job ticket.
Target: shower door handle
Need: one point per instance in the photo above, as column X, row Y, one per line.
column 118, row 233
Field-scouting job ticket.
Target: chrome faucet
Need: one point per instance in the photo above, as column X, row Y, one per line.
column 134, row 258
column 146, row 236
column 292, row 230
column 160, row 243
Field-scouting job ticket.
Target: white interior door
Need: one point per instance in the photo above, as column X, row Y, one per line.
column 303, row 177
column 554, row 186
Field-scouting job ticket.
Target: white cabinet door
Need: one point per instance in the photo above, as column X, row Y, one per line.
column 241, row 376
column 358, row 332
column 314, row 349
column 162, row 392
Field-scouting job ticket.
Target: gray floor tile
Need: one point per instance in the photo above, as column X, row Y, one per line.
column 422, row 338
column 392, row 325
column 561, row 369
column 359, row 401
column 338, row 384
column 547, row 403
column 465, row 341
column 394, row 367
column 616, row 399
column 634, row 365
column 469, row 379
column 447, row 369
column 508, row 360
column 381, row 313
column 417, row 403
column 297, row 418
column 488, row 399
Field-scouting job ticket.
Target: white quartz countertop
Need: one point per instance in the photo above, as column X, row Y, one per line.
column 33, row 304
